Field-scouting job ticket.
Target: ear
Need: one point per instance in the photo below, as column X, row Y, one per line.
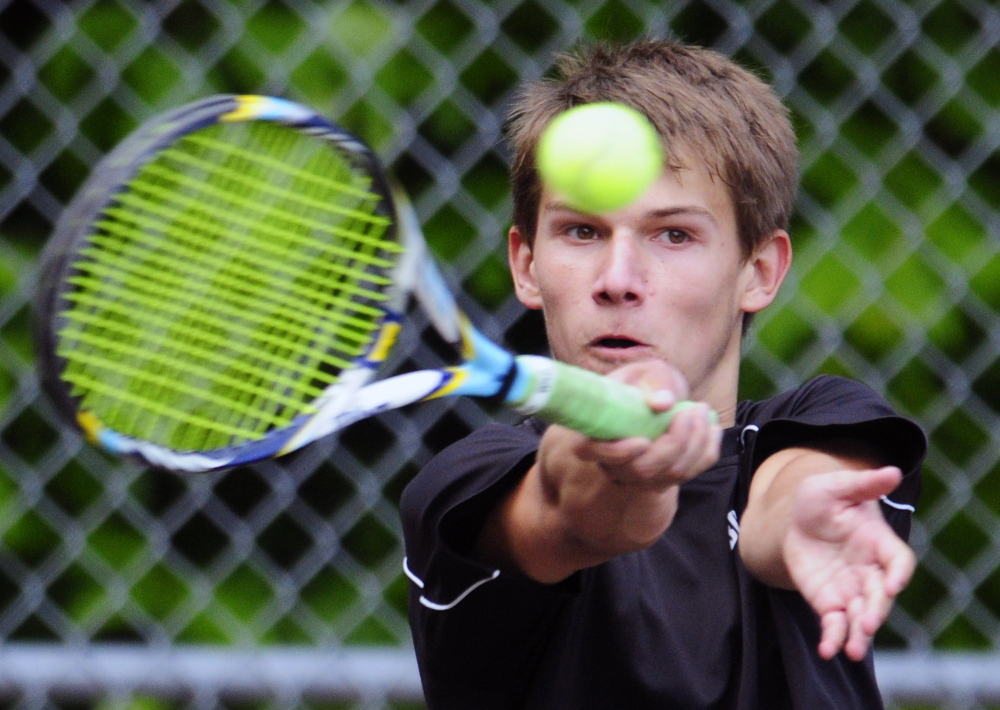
column 765, row 270
column 522, row 269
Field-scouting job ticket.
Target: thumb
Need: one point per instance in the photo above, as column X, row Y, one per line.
column 864, row 485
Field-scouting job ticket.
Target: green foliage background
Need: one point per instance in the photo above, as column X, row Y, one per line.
column 896, row 282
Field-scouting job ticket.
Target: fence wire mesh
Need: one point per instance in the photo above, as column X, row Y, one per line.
column 109, row 572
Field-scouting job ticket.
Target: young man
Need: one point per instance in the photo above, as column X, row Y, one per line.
column 744, row 564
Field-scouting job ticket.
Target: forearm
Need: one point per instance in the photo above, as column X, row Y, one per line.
column 585, row 501
column 547, row 535
column 764, row 525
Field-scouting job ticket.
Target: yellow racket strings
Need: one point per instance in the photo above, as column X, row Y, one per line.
column 231, row 281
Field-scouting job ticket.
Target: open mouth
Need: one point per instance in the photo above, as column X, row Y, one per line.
column 617, row 343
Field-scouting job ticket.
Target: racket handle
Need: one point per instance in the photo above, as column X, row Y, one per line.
column 590, row 403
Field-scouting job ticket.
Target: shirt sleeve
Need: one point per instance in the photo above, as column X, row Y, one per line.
column 828, row 407
column 474, row 627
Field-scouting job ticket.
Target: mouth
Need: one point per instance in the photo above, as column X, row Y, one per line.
column 610, row 351
column 616, row 343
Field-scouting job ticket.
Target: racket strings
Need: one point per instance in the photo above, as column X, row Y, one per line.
column 244, row 275
column 236, row 175
column 158, row 345
column 230, row 283
column 297, row 196
column 160, row 283
column 353, row 208
column 248, row 216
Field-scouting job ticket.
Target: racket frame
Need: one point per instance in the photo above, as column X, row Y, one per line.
column 109, row 178
column 557, row 392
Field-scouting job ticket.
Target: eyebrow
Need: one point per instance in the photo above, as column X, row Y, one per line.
column 693, row 210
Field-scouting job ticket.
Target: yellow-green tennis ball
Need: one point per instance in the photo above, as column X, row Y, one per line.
column 599, row 157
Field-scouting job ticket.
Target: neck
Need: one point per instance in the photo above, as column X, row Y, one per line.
column 720, row 385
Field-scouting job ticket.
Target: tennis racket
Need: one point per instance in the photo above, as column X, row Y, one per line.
column 227, row 283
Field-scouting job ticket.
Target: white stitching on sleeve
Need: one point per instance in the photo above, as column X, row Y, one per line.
column 452, row 604
column 898, row 506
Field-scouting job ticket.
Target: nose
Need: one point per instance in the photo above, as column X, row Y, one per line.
column 621, row 279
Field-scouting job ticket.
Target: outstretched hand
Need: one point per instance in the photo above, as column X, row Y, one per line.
column 844, row 558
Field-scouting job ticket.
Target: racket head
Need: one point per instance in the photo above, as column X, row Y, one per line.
column 225, row 270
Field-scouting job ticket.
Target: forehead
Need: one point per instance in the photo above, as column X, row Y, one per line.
column 695, row 181
column 683, row 187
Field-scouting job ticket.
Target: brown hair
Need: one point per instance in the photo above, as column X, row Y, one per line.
column 701, row 103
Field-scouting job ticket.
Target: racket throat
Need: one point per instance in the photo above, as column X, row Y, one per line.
column 490, row 371
column 532, row 382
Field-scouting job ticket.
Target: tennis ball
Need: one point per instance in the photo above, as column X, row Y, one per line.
column 599, row 157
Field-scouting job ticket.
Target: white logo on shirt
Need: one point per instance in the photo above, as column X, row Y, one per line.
column 734, row 528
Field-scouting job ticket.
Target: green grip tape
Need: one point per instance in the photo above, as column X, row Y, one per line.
column 590, row 403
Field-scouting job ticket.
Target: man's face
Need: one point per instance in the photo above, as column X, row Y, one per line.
column 662, row 278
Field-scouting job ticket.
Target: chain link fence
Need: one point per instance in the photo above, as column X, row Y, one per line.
column 280, row 585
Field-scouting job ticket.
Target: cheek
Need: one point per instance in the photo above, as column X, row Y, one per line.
column 566, row 303
column 559, row 283
column 559, row 302
column 705, row 294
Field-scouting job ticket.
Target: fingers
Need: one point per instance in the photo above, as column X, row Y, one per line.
column 900, row 563
column 851, row 629
column 611, row 453
column 873, row 609
column 854, row 590
column 865, row 614
column 654, row 376
column 692, row 443
column 829, row 505
column 689, row 446
column 661, row 400
column 834, row 633
column 852, row 626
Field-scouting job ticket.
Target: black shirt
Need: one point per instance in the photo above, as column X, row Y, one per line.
column 681, row 624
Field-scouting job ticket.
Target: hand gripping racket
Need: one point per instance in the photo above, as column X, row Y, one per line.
column 225, row 286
